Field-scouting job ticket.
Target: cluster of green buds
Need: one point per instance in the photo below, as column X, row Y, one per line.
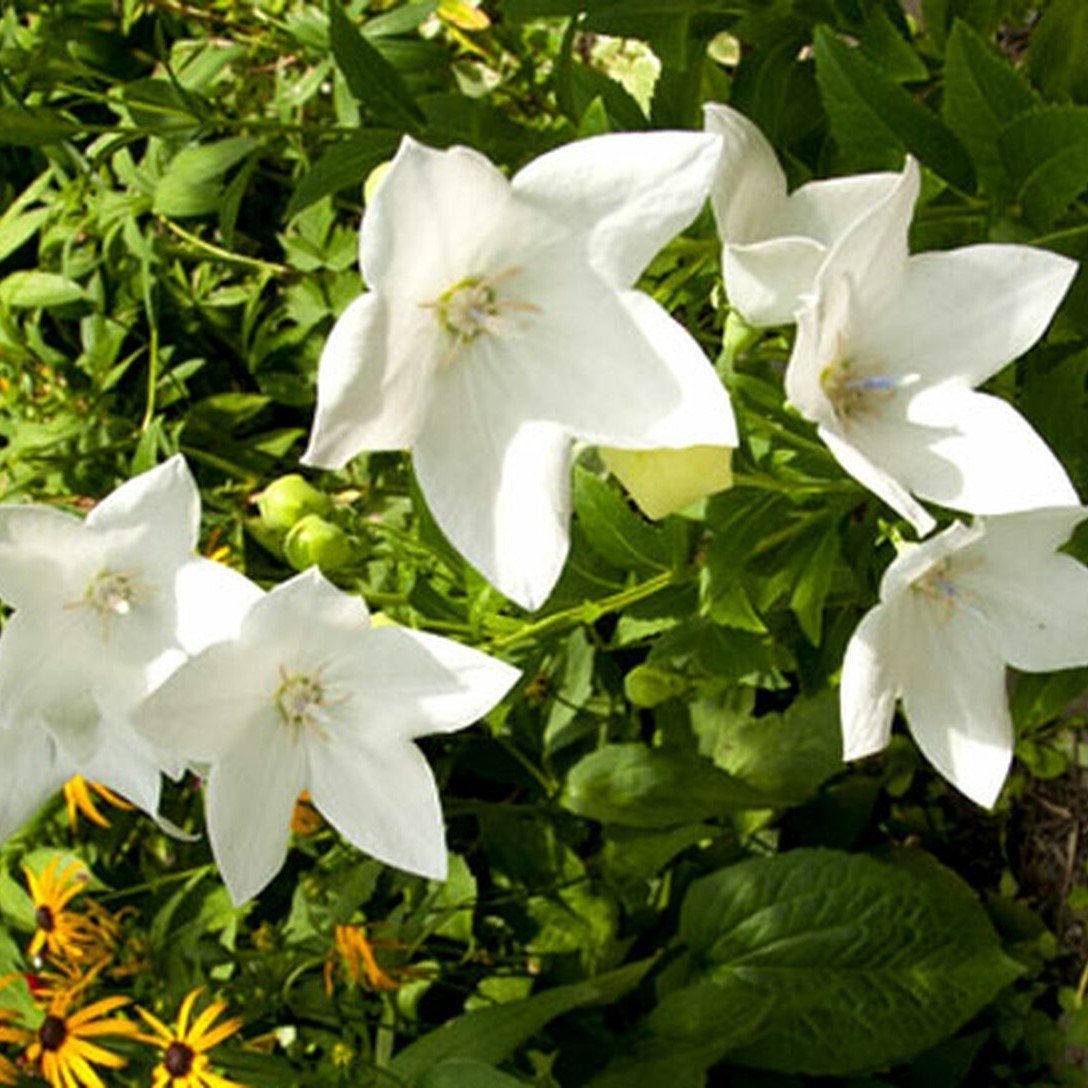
column 297, row 514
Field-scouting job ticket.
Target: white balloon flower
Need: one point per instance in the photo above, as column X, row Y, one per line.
column 890, row 347
column 501, row 324
column 105, row 606
column 953, row 611
column 774, row 242
column 311, row 696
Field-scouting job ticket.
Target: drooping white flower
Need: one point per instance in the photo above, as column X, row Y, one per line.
column 104, row 607
column 501, row 323
column 954, row 610
column 774, row 242
column 888, row 352
column 311, row 696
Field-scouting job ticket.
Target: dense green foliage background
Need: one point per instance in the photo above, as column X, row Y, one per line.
column 661, row 866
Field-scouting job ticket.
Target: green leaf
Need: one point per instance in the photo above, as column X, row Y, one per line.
column 1046, row 152
column 34, row 128
column 617, row 533
column 372, row 80
column 982, row 94
column 491, row 1035
column 192, row 183
column 865, row 962
column 344, row 165
column 637, row 786
column 885, row 44
column 1058, row 57
column 814, row 582
column 467, row 1073
column 32, row 289
column 874, row 121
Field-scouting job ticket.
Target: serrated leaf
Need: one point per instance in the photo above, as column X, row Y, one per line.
column 372, row 80
column 982, row 94
column 874, row 121
column 1046, row 152
column 883, row 42
column 33, row 289
column 865, row 962
column 636, row 786
column 491, row 1035
column 616, row 532
column 192, row 183
column 343, row 165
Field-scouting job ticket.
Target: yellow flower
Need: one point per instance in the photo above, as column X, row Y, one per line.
column 61, row 1047
column 184, row 1061
column 66, row 934
column 78, row 797
column 9, row 1074
column 357, row 961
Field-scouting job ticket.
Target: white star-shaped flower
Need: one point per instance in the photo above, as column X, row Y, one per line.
column 774, row 242
column 311, row 696
column 890, row 348
column 104, row 607
column 501, row 324
column 954, row 610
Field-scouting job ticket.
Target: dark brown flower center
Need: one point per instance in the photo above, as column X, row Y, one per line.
column 44, row 920
column 52, row 1033
column 178, row 1059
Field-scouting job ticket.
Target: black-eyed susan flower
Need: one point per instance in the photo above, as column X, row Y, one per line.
column 62, row 1049
column 81, row 938
column 185, row 1062
column 9, row 1074
column 79, row 797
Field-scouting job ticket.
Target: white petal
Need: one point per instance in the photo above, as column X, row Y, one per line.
column 663, row 482
column 1008, row 538
column 953, row 690
column 749, row 191
column 971, row 451
column 251, row 793
column 824, row 323
column 499, row 489
column 374, row 380
column 878, row 481
column 630, row 193
column 126, row 763
column 164, row 502
column 406, row 684
column 31, row 771
column 382, row 798
column 436, row 218
column 915, row 561
column 968, row 312
column 39, row 546
column 868, row 692
column 204, row 707
column 826, row 209
column 765, row 281
column 30, row 680
column 212, row 600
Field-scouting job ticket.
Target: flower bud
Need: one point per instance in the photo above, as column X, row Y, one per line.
column 315, row 541
column 648, row 686
column 288, row 499
column 663, row 481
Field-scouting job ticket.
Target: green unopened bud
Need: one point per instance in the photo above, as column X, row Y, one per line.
column 648, row 686
column 315, row 541
column 288, row 499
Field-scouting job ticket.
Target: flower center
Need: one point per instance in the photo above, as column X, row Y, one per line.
column 858, row 390
column 473, row 307
column 112, row 594
column 178, row 1059
column 302, row 701
column 52, row 1033
column 937, row 584
column 44, row 920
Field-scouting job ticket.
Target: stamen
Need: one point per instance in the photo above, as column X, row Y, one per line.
column 302, row 701
column 111, row 594
column 857, row 390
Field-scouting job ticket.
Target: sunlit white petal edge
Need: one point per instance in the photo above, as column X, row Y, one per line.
column 99, row 605
column 890, row 346
column 311, row 696
column 773, row 243
column 954, row 611
column 501, row 325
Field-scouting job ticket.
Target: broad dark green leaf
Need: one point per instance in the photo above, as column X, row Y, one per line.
column 342, row 166
column 491, row 1035
column 374, row 82
column 982, row 95
column 637, row 786
column 866, row 962
column 34, row 128
column 1058, row 56
column 875, row 121
column 193, row 182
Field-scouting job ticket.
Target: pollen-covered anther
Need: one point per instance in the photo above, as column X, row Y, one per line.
column 302, row 701
column 475, row 306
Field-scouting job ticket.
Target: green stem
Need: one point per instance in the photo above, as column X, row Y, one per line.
column 223, row 254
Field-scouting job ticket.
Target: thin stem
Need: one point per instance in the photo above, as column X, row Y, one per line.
column 224, row 254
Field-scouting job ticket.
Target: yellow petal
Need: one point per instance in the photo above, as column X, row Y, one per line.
column 664, row 481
